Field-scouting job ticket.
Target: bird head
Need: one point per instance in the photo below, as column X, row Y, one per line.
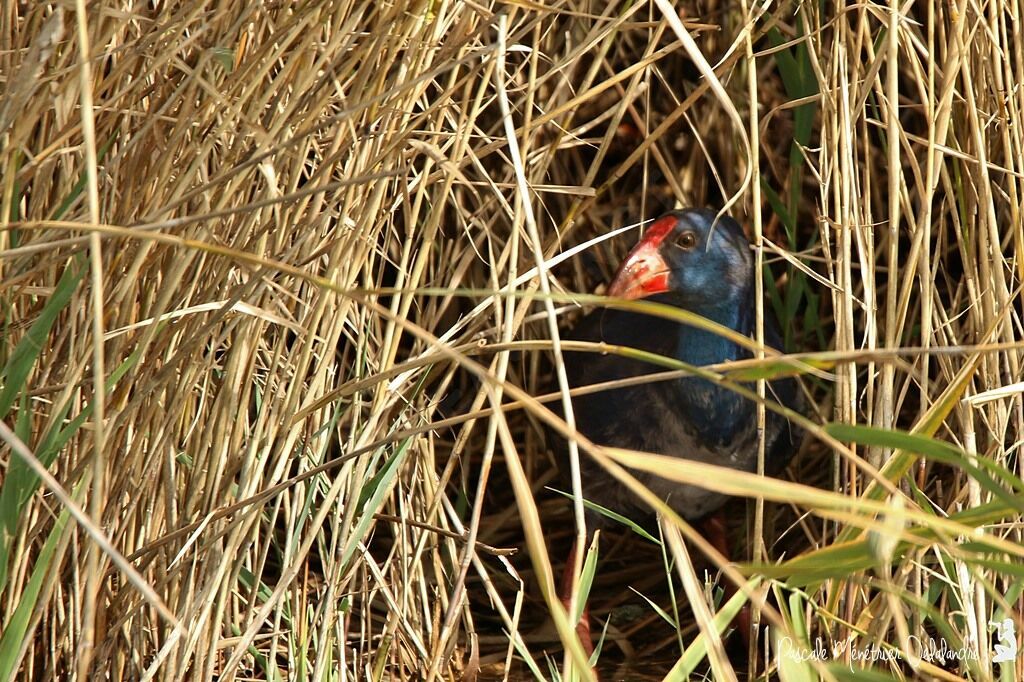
column 696, row 260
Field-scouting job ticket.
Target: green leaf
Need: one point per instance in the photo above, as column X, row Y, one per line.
column 374, row 492
column 792, row 668
column 15, row 630
column 586, row 578
column 657, row 609
column 901, row 461
column 834, row 561
column 769, row 370
column 614, row 516
column 698, row 648
column 26, row 353
column 841, row 560
column 981, row 469
column 21, row 482
column 594, row 657
column 224, row 56
column 83, row 180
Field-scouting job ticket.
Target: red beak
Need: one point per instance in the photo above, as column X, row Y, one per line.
column 645, row 271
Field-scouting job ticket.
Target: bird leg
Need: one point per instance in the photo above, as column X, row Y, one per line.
column 714, row 530
column 583, row 627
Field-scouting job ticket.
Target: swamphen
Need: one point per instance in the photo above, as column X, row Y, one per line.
column 690, row 260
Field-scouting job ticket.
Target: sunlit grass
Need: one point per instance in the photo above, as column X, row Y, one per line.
column 323, row 451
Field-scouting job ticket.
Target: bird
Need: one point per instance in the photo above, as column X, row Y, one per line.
column 699, row 261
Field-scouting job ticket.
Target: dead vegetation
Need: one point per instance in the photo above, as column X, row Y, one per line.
column 268, row 269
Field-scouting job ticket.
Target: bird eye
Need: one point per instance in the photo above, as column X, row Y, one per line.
column 687, row 240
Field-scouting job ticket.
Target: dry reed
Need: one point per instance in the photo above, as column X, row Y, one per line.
column 282, row 281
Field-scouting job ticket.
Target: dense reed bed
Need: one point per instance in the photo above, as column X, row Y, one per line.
column 279, row 282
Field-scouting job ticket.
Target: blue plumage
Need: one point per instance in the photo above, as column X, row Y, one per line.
column 687, row 260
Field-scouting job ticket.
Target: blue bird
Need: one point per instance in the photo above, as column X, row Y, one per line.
column 690, row 260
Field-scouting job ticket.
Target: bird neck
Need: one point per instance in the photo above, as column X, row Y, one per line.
column 716, row 413
column 701, row 347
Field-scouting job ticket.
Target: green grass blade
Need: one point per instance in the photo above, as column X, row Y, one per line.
column 901, row 461
column 587, row 578
column 375, row 491
column 697, row 651
column 614, row 516
column 21, row 482
column 26, row 353
column 15, row 629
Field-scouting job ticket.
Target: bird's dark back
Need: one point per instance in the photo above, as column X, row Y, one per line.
column 659, row 416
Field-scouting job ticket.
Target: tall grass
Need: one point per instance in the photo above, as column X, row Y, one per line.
column 282, row 285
